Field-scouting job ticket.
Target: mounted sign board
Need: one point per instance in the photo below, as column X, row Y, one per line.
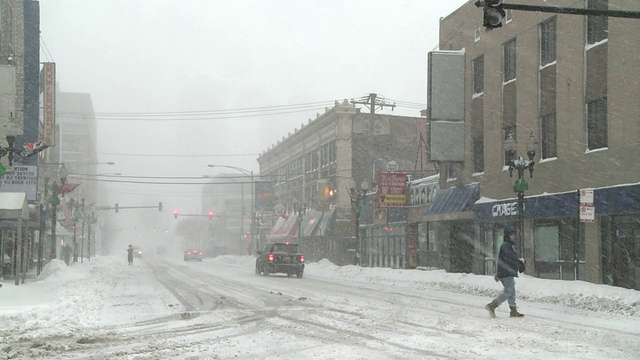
column 445, row 85
column 392, row 189
column 446, row 141
column 586, row 197
column 587, row 213
column 23, row 179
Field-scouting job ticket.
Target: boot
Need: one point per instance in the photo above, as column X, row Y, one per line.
column 491, row 308
column 514, row 312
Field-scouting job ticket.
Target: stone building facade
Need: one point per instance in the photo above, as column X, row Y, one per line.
column 312, row 170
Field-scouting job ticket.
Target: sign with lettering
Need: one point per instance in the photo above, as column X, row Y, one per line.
column 392, row 189
column 48, row 81
column 587, row 213
column 21, row 179
column 505, row 209
column 586, row 197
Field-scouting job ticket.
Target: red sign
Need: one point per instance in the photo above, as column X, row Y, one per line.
column 392, row 189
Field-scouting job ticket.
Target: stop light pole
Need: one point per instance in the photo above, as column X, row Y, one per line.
column 494, row 11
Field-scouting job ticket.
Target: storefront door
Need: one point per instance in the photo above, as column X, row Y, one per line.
column 625, row 253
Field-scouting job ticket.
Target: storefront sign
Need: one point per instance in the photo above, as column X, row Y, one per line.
column 21, row 179
column 48, row 77
column 392, row 189
column 505, row 209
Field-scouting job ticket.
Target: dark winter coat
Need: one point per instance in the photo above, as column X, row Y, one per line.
column 508, row 261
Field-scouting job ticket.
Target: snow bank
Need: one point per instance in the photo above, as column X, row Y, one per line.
column 575, row 294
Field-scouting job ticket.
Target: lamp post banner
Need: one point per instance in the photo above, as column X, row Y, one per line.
column 392, row 189
column 23, row 178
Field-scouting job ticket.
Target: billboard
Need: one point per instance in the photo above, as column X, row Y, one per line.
column 21, row 179
column 48, row 81
column 392, row 189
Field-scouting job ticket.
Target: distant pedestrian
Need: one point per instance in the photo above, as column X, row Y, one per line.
column 130, row 255
column 508, row 267
column 66, row 253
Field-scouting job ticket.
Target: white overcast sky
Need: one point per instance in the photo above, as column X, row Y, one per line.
column 163, row 56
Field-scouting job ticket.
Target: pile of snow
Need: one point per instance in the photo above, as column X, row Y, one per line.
column 59, row 271
column 576, row 294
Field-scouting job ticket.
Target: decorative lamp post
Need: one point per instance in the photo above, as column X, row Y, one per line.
column 54, row 200
column 520, row 186
column 357, row 204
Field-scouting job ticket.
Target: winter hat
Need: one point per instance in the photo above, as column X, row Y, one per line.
column 509, row 230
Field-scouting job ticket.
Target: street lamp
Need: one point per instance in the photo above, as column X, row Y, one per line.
column 520, row 186
column 54, row 200
column 246, row 172
column 357, row 198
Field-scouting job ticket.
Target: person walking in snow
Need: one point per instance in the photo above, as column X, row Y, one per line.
column 66, row 253
column 508, row 267
column 130, row 255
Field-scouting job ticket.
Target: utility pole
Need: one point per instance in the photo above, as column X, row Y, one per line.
column 373, row 101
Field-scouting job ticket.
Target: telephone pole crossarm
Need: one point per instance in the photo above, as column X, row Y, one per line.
column 374, row 101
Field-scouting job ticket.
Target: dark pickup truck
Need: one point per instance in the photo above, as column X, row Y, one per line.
column 280, row 257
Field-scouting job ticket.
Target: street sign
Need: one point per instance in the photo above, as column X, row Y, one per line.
column 587, row 213
column 586, row 197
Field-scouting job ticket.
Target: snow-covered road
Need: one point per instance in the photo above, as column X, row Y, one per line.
column 164, row 308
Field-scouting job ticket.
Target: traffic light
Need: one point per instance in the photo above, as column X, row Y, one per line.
column 494, row 14
column 175, row 214
column 160, row 206
column 116, row 207
column 210, row 214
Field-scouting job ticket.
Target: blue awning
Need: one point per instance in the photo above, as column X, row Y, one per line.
column 454, row 200
column 614, row 200
column 552, row 206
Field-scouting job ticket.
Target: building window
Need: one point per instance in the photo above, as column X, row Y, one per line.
column 597, row 134
column 452, row 170
column 478, row 75
column 477, row 34
column 478, row 154
column 508, row 130
column 549, row 136
column 597, row 25
column 509, row 60
column 548, row 41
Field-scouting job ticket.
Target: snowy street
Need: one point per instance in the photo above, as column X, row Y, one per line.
column 165, row 308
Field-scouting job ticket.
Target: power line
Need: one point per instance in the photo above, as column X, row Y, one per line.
column 45, row 50
column 179, row 156
column 209, row 112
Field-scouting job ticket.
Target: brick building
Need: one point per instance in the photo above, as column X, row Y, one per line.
column 571, row 82
column 312, row 169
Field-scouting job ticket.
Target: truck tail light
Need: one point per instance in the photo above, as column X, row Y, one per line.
column 270, row 257
column 301, row 258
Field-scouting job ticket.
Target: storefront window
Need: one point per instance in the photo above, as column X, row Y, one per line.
column 547, row 243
